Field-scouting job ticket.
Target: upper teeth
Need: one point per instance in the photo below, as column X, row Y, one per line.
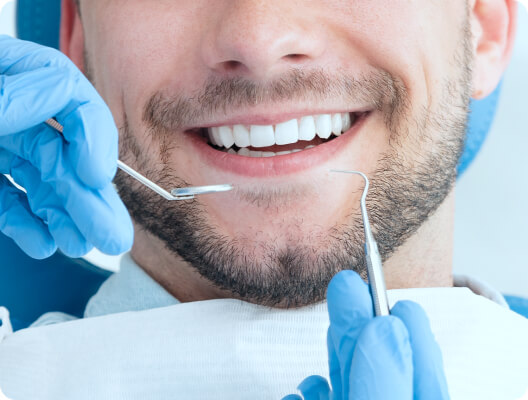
column 287, row 132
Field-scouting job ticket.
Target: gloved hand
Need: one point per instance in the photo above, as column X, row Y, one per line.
column 394, row 357
column 70, row 202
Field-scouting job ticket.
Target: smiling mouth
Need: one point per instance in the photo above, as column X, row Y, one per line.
column 284, row 138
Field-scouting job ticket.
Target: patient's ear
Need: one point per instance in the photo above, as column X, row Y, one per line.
column 493, row 23
column 71, row 33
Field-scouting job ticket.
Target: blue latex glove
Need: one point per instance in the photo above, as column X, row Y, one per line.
column 70, row 203
column 394, row 357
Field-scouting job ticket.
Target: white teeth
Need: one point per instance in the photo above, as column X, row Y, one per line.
column 287, row 132
column 262, row 136
column 226, row 135
column 337, row 124
column 241, row 135
column 255, row 154
column 215, row 137
column 323, row 124
column 244, row 152
column 307, row 128
column 346, row 121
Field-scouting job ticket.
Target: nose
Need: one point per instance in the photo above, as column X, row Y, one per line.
column 259, row 39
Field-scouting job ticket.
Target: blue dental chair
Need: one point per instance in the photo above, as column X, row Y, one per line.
column 29, row 288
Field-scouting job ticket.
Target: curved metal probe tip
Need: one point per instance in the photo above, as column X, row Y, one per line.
column 186, row 193
column 363, row 202
column 372, row 256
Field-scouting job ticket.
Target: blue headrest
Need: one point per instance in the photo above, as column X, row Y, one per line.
column 479, row 124
column 38, row 21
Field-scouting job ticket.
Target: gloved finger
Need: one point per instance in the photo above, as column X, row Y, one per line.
column 335, row 369
column 292, row 397
column 382, row 367
column 92, row 135
column 18, row 56
column 47, row 206
column 429, row 377
column 20, row 224
column 350, row 309
column 43, row 147
column 315, row 387
column 93, row 153
column 99, row 215
column 24, row 104
column 67, row 237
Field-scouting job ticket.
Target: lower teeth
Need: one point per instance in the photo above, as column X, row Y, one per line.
column 249, row 153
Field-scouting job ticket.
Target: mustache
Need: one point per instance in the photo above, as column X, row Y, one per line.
column 170, row 113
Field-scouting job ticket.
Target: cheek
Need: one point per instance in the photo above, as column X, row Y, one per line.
column 413, row 40
column 137, row 50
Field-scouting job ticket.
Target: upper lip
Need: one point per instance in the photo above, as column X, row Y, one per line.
column 272, row 118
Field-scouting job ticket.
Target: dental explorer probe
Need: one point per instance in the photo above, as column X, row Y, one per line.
column 186, row 193
column 376, row 279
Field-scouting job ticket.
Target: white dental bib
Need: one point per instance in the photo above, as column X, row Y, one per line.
column 228, row 349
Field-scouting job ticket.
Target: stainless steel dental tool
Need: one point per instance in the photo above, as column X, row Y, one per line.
column 374, row 267
column 186, row 193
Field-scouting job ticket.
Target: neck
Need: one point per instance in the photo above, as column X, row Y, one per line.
column 424, row 260
column 170, row 271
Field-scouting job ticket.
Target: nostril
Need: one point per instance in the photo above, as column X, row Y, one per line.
column 232, row 65
column 296, row 58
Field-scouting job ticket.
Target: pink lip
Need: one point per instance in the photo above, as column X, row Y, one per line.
column 277, row 165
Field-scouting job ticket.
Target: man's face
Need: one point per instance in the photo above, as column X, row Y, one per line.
column 184, row 79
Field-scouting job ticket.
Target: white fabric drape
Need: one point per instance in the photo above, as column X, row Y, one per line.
column 228, row 349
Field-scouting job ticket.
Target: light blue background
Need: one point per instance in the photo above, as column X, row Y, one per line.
column 7, row 22
column 491, row 227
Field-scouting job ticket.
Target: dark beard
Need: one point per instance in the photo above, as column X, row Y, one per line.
column 399, row 202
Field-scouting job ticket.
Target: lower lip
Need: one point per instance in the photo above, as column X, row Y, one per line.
column 276, row 165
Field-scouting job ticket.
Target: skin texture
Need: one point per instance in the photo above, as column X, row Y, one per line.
column 279, row 238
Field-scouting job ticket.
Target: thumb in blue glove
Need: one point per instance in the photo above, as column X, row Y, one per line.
column 394, row 357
